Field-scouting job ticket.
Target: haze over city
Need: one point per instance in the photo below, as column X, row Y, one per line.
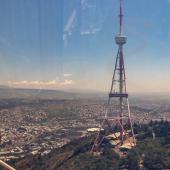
column 70, row 44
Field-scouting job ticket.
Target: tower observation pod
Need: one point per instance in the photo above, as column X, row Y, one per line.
column 117, row 122
column 120, row 40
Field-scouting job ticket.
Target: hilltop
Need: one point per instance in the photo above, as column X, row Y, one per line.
column 149, row 153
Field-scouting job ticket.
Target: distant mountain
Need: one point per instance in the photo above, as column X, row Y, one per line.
column 4, row 87
column 7, row 92
column 10, row 92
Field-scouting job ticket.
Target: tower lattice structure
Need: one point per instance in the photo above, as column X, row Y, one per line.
column 117, row 120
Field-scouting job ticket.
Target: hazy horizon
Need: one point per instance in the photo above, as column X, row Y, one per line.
column 88, row 91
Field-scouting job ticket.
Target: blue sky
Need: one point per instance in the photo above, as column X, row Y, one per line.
column 69, row 44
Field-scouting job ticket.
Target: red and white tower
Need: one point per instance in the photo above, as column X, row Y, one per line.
column 117, row 121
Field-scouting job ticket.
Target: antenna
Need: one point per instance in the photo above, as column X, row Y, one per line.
column 118, row 111
column 121, row 18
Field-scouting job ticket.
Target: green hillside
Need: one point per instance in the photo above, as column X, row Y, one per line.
column 150, row 153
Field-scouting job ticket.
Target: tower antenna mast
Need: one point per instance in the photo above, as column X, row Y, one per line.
column 117, row 121
column 121, row 18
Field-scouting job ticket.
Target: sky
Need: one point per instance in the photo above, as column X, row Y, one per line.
column 69, row 44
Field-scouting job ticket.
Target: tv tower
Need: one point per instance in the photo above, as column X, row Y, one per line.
column 117, row 120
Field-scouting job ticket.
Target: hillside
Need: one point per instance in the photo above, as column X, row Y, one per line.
column 148, row 154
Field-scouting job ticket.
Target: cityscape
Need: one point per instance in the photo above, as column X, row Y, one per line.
column 38, row 126
column 84, row 85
